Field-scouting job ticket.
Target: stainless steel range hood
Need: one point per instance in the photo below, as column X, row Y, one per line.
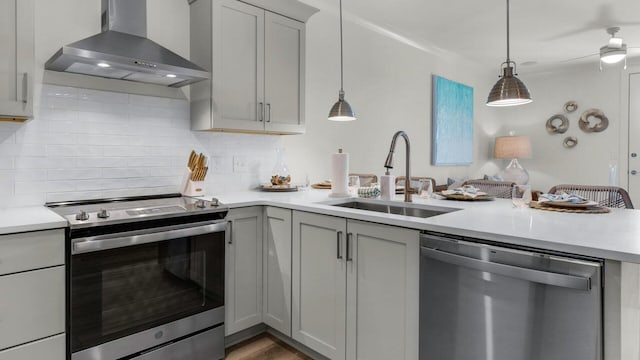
column 122, row 51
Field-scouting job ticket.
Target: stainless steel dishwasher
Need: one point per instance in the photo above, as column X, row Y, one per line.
column 479, row 301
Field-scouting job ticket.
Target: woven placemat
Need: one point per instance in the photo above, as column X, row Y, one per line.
column 588, row 210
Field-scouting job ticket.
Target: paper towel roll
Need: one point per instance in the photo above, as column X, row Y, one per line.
column 339, row 174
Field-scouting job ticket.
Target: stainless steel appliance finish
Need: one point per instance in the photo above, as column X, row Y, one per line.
column 122, row 51
column 479, row 301
column 146, row 278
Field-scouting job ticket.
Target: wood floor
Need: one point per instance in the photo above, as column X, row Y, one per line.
column 264, row 347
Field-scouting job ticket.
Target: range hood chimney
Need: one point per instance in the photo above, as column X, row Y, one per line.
column 122, row 51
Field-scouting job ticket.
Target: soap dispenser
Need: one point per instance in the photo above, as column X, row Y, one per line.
column 387, row 186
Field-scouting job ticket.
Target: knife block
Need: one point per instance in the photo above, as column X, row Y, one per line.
column 194, row 188
column 190, row 187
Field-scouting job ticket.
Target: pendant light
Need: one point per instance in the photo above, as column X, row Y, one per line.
column 341, row 110
column 509, row 90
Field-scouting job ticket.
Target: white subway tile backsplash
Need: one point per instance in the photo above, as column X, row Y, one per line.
column 74, row 174
column 44, row 163
column 6, row 162
column 101, row 162
column 86, row 144
column 106, row 97
column 124, row 173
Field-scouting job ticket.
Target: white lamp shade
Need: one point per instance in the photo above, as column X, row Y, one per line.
column 512, row 147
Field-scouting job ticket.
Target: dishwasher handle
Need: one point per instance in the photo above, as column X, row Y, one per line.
column 538, row 276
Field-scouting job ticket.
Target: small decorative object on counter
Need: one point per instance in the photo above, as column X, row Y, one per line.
column 193, row 181
column 280, row 174
column 369, row 192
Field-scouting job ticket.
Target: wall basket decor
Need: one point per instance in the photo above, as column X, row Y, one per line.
column 599, row 126
column 570, row 142
column 557, row 124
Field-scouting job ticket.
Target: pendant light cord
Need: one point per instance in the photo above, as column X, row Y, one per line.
column 508, row 58
column 341, row 61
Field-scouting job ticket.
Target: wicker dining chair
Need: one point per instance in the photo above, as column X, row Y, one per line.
column 607, row 196
column 366, row 179
column 415, row 183
column 498, row 189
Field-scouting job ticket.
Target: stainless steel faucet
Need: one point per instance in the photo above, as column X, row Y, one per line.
column 389, row 163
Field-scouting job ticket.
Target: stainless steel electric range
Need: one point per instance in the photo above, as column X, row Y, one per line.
column 145, row 278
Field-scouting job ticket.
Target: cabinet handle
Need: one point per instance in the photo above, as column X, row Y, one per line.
column 261, row 112
column 349, row 247
column 338, row 241
column 230, row 242
column 22, row 88
column 268, row 112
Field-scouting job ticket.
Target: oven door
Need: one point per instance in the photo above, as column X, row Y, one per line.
column 131, row 292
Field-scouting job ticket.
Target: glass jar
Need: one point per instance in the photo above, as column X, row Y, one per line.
column 280, row 174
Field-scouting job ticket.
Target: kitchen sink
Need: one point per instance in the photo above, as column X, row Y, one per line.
column 397, row 209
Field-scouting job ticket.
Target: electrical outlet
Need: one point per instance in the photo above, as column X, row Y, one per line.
column 240, row 164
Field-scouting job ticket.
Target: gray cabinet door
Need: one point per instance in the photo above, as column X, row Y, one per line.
column 243, row 290
column 319, row 283
column 17, row 61
column 276, row 293
column 238, row 66
column 284, row 74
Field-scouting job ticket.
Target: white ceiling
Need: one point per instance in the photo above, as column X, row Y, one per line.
column 544, row 33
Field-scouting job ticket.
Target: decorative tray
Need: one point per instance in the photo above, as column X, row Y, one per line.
column 279, row 188
column 483, row 197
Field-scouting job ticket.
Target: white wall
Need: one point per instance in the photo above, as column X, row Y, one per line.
column 388, row 83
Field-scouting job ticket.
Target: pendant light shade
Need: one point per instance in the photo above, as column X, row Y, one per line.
column 341, row 110
column 509, row 90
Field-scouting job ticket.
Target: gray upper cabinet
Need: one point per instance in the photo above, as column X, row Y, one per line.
column 257, row 59
column 17, row 62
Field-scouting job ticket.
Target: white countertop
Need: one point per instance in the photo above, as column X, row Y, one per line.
column 32, row 218
column 614, row 236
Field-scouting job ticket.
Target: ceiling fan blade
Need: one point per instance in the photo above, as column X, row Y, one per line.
column 578, row 58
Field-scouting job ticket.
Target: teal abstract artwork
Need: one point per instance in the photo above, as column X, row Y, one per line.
column 452, row 123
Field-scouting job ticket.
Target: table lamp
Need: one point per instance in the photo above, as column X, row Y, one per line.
column 514, row 148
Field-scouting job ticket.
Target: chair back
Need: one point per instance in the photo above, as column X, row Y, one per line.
column 414, row 185
column 366, row 179
column 498, row 189
column 607, row 196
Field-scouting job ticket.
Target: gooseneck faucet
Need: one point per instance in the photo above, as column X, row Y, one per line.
column 389, row 162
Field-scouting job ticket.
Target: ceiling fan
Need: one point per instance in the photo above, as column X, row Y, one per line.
column 614, row 51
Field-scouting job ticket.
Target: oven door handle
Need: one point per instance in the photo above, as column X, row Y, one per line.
column 104, row 242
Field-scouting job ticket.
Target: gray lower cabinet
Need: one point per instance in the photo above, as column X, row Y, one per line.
column 32, row 301
column 243, row 258
column 276, row 290
column 355, row 288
